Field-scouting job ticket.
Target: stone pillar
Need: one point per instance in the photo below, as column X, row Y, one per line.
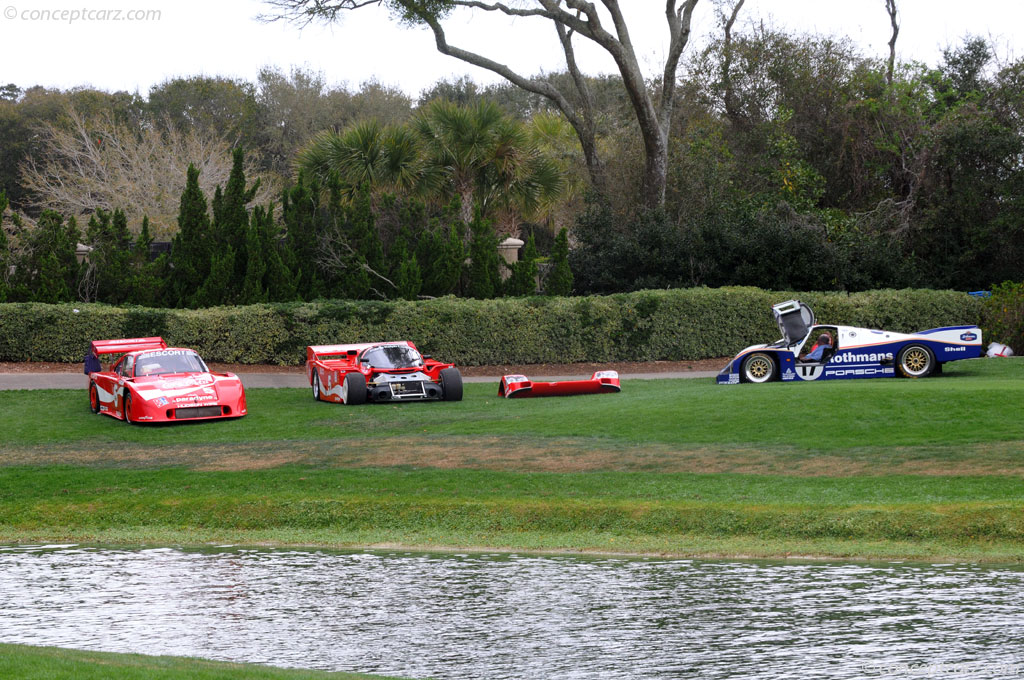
column 509, row 251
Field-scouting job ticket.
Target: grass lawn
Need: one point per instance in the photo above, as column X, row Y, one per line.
column 864, row 468
column 51, row 663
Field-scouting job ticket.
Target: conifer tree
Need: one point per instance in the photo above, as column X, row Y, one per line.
column 355, row 283
column 189, row 263
column 441, row 253
column 363, row 231
column 145, row 283
column 523, row 280
column 278, row 280
column 50, row 285
column 5, row 250
column 559, row 281
column 405, row 270
column 484, row 272
column 48, row 270
column 230, row 226
column 222, row 268
column 253, row 290
column 110, row 263
column 300, row 207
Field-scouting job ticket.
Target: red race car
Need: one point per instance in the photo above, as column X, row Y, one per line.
column 154, row 383
column 379, row 371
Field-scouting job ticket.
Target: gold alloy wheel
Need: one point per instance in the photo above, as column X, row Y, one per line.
column 915, row 361
column 759, row 368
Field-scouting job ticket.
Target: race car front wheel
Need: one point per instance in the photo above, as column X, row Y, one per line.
column 915, row 361
column 127, row 408
column 353, row 389
column 758, row 368
column 94, row 398
column 451, row 384
column 316, row 386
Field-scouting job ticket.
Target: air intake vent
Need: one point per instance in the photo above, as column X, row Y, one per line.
column 197, row 412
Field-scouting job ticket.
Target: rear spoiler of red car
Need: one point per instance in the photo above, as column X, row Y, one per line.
column 315, row 352
column 517, row 386
column 127, row 345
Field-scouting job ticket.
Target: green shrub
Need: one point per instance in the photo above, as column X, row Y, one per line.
column 1003, row 316
column 672, row 325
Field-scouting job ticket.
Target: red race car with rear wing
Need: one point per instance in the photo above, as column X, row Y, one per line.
column 154, row 383
column 379, row 371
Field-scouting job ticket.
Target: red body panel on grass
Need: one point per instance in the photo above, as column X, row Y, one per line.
column 518, row 386
column 154, row 383
column 388, row 371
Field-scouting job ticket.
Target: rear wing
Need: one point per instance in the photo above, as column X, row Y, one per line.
column 126, row 345
column 315, row 352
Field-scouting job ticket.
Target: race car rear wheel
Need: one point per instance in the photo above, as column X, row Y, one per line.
column 316, row 386
column 915, row 361
column 451, row 384
column 94, row 398
column 353, row 389
column 759, row 368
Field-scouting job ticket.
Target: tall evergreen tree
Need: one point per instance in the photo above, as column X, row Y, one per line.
column 222, row 268
column 111, row 260
column 485, row 263
column 279, row 279
column 253, row 290
column 355, row 283
column 145, row 283
column 48, row 269
column 363, row 231
column 523, row 280
column 5, row 249
column 189, row 264
column 559, row 280
column 441, row 253
column 300, row 212
column 405, row 270
column 230, row 225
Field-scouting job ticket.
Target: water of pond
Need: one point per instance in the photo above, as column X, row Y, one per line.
column 519, row 616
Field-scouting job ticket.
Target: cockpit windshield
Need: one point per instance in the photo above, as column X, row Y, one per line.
column 392, row 356
column 169, row 361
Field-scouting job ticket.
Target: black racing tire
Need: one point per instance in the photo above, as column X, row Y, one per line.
column 94, row 398
column 316, row 387
column 915, row 361
column 353, row 389
column 451, row 384
column 126, row 408
column 759, row 367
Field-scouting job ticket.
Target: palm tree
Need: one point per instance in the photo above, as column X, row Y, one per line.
column 486, row 157
column 477, row 153
column 365, row 153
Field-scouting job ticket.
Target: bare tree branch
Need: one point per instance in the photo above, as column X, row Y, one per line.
column 890, row 7
column 731, row 109
column 335, row 254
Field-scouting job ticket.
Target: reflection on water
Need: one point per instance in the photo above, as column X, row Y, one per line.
column 514, row 616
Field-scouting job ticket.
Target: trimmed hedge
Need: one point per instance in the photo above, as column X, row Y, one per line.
column 678, row 324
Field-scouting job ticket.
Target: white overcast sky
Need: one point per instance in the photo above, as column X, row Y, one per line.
column 43, row 43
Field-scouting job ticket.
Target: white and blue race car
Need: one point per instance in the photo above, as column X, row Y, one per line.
column 809, row 351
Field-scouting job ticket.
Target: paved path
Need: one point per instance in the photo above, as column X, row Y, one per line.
column 75, row 381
